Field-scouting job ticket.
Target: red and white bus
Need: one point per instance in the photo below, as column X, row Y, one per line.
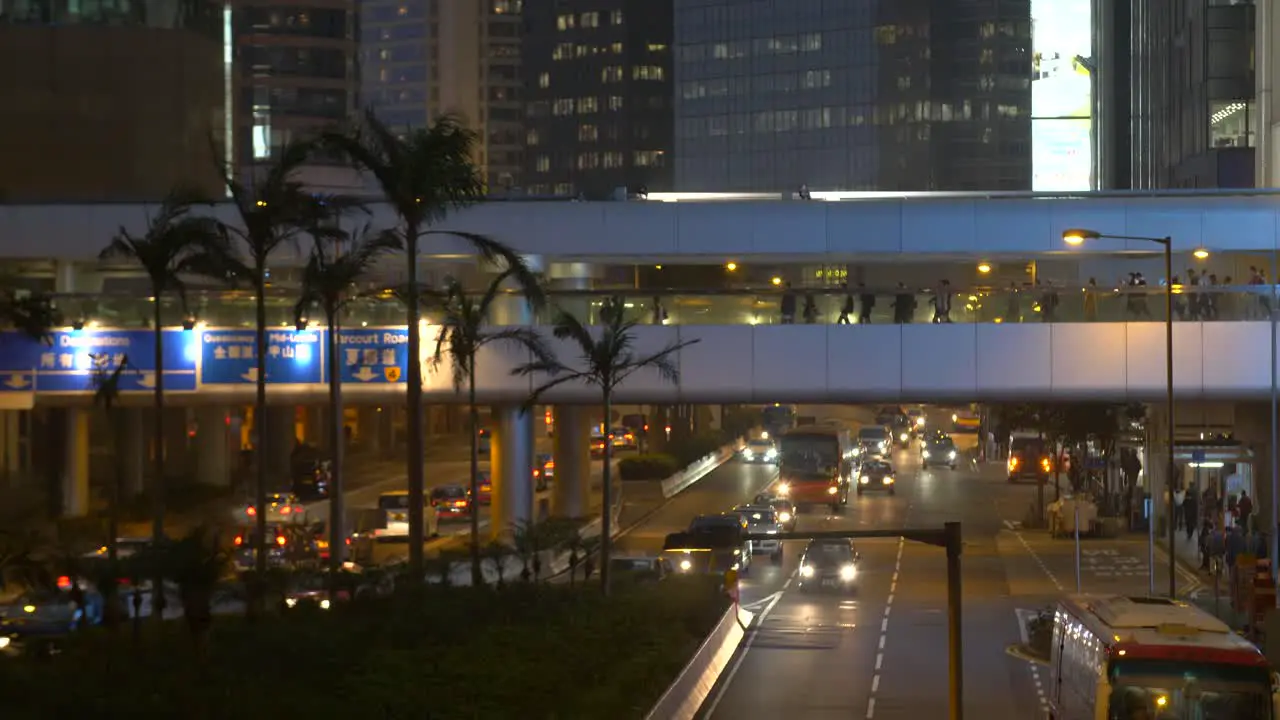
column 1117, row 658
column 814, row 466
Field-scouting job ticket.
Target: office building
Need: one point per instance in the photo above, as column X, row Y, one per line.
column 1187, row 116
column 599, row 105
column 295, row 72
column 421, row 60
column 109, row 101
column 905, row 95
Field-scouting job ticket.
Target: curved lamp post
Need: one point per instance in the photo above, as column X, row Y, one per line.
column 1077, row 236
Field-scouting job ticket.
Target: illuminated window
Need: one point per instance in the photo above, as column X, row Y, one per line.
column 1232, row 123
column 587, row 105
column 615, row 17
column 564, row 189
column 588, row 161
column 563, row 51
column 657, row 47
column 613, row 159
column 815, row 79
column 616, row 48
column 563, row 106
column 587, row 133
column 543, row 163
column 646, row 72
column 564, row 22
column 649, row 158
column 531, row 138
column 613, row 73
column 590, row 20
column 810, row 42
column 615, row 102
column 544, row 80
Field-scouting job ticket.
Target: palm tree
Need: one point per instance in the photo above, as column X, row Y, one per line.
column 31, row 315
column 105, row 381
column 329, row 280
column 606, row 359
column 463, row 335
column 196, row 563
column 423, row 174
column 273, row 210
column 175, row 243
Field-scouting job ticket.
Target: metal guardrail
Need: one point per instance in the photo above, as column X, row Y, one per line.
column 691, row 688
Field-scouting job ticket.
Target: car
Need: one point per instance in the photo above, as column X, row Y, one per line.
column 623, row 438
column 544, row 471
column 638, row 566
column 724, row 535
column 876, row 475
column 763, row 519
column 289, row 545
column 312, row 589
column 125, row 547
column 484, row 488
column 281, row 508
column 915, row 416
column 889, row 415
column 872, row 440
column 597, row 445
column 939, row 450
column 759, row 450
column 452, row 502
column 787, row 516
column 484, row 441
column 392, row 514
column 829, row 563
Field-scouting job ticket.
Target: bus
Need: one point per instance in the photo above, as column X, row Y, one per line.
column 777, row 419
column 814, row 466
column 1029, row 457
column 1115, row 658
column 393, row 506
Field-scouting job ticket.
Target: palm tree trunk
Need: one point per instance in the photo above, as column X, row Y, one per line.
column 477, row 576
column 417, row 534
column 606, row 495
column 337, row 441
column 260, row 448
column 111, row 613
column 157, row 482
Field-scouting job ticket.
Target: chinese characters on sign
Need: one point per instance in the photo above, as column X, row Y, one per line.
column 66, row 363
column 374, row 355
column 292, row 357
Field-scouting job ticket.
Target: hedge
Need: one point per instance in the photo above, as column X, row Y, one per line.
column 527, row 651
column 657, row 466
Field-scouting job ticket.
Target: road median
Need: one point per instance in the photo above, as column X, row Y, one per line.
column 685, row 696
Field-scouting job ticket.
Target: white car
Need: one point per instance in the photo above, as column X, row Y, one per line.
column 760, row 451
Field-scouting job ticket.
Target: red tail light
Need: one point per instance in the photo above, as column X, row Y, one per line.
column 348, row 541
column 551, row 464
column 536, row 473
column 251, row 511
column 239, row 540
column 286, row 510
column 281, row 540
column 460, row 503
column 64, row 582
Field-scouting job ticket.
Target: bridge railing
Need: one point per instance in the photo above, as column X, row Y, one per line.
column 751, row 306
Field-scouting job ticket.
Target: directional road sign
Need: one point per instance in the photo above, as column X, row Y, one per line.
column 293, row 357
column 373, row 356
column 66, row 363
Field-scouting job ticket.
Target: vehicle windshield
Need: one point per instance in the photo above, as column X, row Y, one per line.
column 810, row 455
column 828, row 554
column 452, row 492
column 278, row 499
column 1175, row 689
column 876, row 468
column 759, row 516
column 1026, row 447
column 393, row 502
column 760, row 445
column 942, row 442
column 715, row 522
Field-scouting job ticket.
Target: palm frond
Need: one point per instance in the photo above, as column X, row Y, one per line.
column 573, row 376
column 568, row 326
column 527, row 338
column 104, row 380
column 499, row 254
column 660, row 362
column 32, row 315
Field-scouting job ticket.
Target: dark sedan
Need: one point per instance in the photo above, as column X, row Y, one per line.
column 876, row 475
column 829, row 564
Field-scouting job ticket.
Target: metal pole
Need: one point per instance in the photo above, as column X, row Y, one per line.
column 954, row 643
column 1274, row 530
column 1168, row 368
column 1077, row 506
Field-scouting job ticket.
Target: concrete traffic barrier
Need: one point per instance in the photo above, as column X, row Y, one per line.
column 691, row 688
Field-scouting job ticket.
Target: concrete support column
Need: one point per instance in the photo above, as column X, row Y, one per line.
column 133, row 451
column 1253, row 429
column 512, row 469
column 1155, row 467
column 368, row 438
column 280, row 432
column 316, row 427
column 75, row 465
column 571, row 489
column 573, row 276
column 177, row 442
column 214, row 460
column 10, row 446
column 512, row 309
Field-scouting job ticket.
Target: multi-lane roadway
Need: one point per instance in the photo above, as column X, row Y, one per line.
column 881, row 652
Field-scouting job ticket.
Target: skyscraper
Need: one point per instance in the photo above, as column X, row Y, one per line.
column 424, row 59
column 1180, row 94
column 850, row 94
column 597, row 75
column 295, row 72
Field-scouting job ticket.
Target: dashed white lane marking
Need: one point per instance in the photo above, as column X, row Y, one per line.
column 1035, row 675
column 1052, row 578
column 884, row 631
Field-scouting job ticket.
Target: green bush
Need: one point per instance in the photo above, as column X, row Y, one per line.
column 689, row 450
column 530, row 651
column 657, row 466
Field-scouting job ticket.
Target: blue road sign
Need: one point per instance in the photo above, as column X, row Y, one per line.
column 66, row 364
column 1197, row 456
column 294, row 357
column 373, row 356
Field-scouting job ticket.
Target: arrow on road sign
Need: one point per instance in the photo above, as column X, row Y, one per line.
column 17, row 381
column 365, row 374
column 147, row 379
column 251, row 374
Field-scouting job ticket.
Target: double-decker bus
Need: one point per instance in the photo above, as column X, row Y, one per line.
column 1029, row 457
column 814, row 466
column 1116, row 658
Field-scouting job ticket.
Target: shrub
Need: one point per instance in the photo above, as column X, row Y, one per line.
column 657, row 466
column 531, row 651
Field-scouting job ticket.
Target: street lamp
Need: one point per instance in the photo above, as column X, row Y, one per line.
column 1077, row 236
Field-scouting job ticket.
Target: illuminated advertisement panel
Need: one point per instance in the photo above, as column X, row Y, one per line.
column 1061, row 95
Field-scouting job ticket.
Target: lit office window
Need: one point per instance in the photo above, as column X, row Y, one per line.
column 544, row 80
column 649, row 158
column 613, row 73
column 543, row 163
column 590, row 20
column 588, row 133
column 587, row 105
column 646, row 72
column 615, row 17
column 615, row 102
column 564, row 22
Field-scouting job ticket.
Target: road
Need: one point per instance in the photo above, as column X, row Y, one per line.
column 881, row 652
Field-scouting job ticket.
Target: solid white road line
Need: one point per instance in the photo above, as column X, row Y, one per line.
column 737, row 663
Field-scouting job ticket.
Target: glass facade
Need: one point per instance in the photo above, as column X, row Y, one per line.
column 202, row 15
column 1192, row 111
column 295, row 72
column 397, row 58
column 852, row 95
column 598, row 105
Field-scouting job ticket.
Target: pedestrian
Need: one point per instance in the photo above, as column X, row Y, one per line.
column 1244, row 510
column 810, row 309
column 942, row 303
column 1179, row 497
column 846, row 309
column 1191, row 513
column 904, row 305
column 867, row 302
column 788, row 305
column 1091, row 301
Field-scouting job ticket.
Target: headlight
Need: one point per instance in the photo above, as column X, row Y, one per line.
column 864, row 480
column 4, row 642
column 857, row 452
column 904, row 437
column 784, row 488
column 920, row 421
column 737, row 551
column 951, row 455
column 784, row 517
column 748, row 454
column 806, row 571
column 924, row 454
column 771, row 454
column 888, row 480
column 771, row 532
column 833, row 490
column 685, row 565
column 290, row 602
column 848, row 572
column 324, row 604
